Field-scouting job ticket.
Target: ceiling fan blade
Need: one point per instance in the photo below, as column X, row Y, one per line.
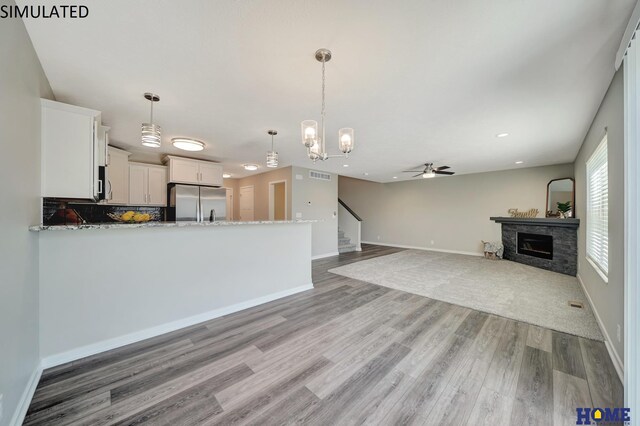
column 443, row 173
column 419, row 174
column 441, row 168
column 411, row 171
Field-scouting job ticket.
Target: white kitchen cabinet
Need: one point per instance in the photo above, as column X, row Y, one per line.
column 147, row 184
column 70, row 153
column 210, row 174
column 196, row 172
column 117, row 176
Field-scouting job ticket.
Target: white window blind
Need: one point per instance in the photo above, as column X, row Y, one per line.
column 598, row 208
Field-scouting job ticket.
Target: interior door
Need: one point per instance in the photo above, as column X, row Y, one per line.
column 246, row 203
column 157, row 186
column 138, row 184
column 229, row 203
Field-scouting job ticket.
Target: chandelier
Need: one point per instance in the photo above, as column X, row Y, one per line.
column 313, row 140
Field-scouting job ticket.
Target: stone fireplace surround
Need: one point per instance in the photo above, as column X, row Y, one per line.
column 565, row 242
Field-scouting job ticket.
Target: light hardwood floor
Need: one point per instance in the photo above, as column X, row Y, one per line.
column 347, row 352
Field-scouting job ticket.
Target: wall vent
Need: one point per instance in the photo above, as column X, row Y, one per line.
column 319, row 175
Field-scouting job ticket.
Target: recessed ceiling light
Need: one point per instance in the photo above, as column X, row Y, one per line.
column 395, row 177
column 519, row 162
column 187, row 144
column 345, row 165
column 250, row 167
column 366, row 174
column 226, row 175
column 502, row 135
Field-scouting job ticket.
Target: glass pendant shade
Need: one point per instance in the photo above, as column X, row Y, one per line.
column 309, row 133
column 346, row 139
column 314, row 151
column 151, row 135
column 272, row 159
column 428, row 175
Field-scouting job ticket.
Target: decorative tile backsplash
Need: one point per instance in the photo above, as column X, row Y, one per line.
column 62, row 212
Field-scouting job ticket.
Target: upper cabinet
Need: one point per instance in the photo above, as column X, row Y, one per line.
column 71, row 151
column 117, row 176
column 196, row 172
column 147, row 184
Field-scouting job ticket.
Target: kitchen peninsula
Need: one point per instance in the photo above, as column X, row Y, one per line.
column 108, row 285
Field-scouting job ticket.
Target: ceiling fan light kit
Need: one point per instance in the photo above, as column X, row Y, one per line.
column 313, row 138
column 430, row 172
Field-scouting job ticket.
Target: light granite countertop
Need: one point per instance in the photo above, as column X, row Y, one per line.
column 181, row 224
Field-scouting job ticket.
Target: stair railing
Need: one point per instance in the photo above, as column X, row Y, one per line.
column 350, row 223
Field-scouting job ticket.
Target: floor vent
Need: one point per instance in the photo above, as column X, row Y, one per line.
column 575, row 304
column 319, row 175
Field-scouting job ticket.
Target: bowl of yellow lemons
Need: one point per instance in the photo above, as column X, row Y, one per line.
column 130, row 217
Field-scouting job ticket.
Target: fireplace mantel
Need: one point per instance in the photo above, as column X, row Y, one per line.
column 539, row 221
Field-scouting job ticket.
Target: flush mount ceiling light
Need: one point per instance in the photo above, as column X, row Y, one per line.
column 345, row 165
column 226, row 175
column 502, row 135
column 315, row 141
column 272, row 156
column 188, row 144
column 250, row 167
column 151, row 132
column 519, row 162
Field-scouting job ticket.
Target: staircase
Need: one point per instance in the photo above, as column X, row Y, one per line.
column 344, row 243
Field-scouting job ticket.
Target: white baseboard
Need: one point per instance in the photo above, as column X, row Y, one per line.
column 468, row 253
column 613, row 354
column 109, row 344
column 27, row 396
column 322, row 256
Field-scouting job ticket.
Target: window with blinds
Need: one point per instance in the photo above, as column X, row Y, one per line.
column 598, row 208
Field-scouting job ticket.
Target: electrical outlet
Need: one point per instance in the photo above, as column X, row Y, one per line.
column 378, row 237
column 298, row 215
column 432, row 242
column 619, row 333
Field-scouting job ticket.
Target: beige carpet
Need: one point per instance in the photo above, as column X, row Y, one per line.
column 504, row 288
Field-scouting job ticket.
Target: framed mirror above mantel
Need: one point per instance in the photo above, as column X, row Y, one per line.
column 561, row 198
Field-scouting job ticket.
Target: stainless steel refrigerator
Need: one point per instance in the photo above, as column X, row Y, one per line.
column 197, row 203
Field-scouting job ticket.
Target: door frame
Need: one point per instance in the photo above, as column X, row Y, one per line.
column 253, row 190
column 272, row 199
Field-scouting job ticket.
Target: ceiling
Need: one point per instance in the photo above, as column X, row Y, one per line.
column 419, row 81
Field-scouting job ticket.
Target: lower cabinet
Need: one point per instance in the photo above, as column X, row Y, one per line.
column 147, row 184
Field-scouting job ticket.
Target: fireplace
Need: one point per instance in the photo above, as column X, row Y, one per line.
column 536, row 245
column 544, row 242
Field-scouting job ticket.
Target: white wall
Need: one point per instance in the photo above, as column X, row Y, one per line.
column 446, row 213
column 318, row 200
column 607, row 298
column 136, row 283
column 22, row 83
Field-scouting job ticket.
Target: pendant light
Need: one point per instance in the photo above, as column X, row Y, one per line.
column 151, row 132
column 272, row 156
column 312, row 137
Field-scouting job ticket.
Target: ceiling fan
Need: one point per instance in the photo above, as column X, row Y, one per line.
column 430, row 171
